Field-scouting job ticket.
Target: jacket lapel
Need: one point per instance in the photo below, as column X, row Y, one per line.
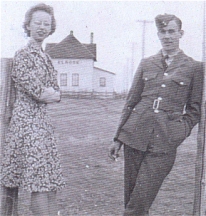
column 157, row 59
column 179, row 60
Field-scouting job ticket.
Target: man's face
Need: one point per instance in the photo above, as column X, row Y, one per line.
column 169, row 36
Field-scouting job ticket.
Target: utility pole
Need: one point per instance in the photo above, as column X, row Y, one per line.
column 199, row 208
column 144, row 22
column 132, row 63
column 128, row 74
column 131, row 74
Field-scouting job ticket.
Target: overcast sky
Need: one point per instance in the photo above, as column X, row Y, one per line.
column 117, row 32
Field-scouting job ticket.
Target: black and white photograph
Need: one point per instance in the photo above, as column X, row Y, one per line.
column 103, row 108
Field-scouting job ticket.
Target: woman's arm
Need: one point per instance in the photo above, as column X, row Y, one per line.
column 26, row 80
column 51, row 94
column 24, row 76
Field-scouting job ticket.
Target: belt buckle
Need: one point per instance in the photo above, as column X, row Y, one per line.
column 156, row 105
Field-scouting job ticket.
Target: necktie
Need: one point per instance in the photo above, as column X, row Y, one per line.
column 165, row 66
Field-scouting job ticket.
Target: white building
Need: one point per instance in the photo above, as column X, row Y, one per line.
column 74, row 62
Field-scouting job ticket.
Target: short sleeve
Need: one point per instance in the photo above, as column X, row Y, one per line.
column 24, row 76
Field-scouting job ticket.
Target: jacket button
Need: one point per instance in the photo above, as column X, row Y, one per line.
column 166, row 74
column 163, row 85
column 181, row 83
column 156, row 111
column 145, row 78
column 159, row 98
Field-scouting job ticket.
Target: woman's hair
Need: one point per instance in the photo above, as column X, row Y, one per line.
column 39, row 7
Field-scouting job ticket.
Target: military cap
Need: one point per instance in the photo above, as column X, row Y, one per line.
column 163, row 20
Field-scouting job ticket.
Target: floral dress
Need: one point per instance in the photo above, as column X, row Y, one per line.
column 30, row 158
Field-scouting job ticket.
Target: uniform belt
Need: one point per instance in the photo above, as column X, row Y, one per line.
column 158, row 104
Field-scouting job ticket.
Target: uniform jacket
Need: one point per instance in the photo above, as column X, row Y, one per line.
column 162, row 107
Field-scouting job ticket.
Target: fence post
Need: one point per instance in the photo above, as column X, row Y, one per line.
column 6, row 102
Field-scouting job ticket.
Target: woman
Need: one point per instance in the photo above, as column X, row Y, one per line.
column 30, row 156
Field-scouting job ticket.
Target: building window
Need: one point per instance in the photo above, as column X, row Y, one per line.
column 102, row 82
column 63, row 79
column 75, row 79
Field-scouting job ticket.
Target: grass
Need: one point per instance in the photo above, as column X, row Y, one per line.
column 85, row 129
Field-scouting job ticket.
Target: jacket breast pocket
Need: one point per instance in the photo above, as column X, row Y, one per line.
column 149, row 78
column 181, row 86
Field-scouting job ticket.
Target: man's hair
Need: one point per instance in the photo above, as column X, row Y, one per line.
column 39, row 7
column 163, row 20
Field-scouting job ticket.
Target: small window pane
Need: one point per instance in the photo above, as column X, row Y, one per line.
column 63, row 79
column 102, row 81
column 75, row 79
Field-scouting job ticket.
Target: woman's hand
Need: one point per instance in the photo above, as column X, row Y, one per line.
column 56, row 97
column 49, row 95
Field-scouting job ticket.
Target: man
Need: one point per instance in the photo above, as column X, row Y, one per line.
column 162, row 107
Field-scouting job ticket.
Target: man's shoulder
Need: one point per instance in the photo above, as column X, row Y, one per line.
column 189, row 58
column 150, row 60
column 195, row 65
column 152, row 57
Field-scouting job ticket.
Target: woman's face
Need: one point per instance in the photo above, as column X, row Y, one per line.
column 40, row 25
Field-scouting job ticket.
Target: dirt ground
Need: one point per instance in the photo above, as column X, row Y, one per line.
column 85, row 129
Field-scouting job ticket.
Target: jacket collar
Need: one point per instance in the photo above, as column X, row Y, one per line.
column 170, row 56
column 179, row 60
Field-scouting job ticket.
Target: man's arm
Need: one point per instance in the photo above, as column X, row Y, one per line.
column 193, row 106
column 133, row 97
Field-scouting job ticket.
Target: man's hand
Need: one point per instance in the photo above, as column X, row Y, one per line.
column 114, row 149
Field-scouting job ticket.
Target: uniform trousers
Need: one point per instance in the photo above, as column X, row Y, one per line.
column 143, row 176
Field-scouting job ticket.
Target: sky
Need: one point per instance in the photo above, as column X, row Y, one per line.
column 117, row 29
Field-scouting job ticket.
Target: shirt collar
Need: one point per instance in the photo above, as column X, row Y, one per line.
column 171, row 56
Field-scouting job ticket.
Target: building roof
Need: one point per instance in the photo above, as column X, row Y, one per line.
column 104, row 70
column 91, row 48
column 49, row 46
column 71, row 48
